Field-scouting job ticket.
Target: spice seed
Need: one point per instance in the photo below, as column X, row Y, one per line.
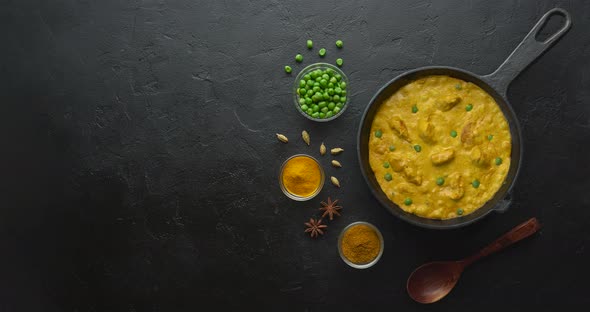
column 282, row 138
column 336, row 151
column 305, row 137
column 336, row 163
column 322, row 149
column 335, row 181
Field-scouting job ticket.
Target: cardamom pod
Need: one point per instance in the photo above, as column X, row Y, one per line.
column 336, row 163
column 305, row 137
column 322, row 149
column 336, row 151
column 282, row 138
column 335, row 181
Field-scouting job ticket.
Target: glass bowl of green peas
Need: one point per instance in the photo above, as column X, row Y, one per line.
column 321, row 92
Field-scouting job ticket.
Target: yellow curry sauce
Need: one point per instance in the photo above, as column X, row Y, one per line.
column 440, row 147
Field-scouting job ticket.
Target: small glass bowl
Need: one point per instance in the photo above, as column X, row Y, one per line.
column 309, row 69
column 362, row 265
column 296, row 197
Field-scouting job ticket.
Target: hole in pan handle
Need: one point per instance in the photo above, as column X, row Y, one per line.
column 526, row 52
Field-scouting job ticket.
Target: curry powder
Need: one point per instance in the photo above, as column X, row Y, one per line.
column 301, row 176
column 360, row 244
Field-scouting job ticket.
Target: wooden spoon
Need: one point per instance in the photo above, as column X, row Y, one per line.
column 432, row 281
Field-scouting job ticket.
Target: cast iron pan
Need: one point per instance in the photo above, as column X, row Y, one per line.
column 495, row 84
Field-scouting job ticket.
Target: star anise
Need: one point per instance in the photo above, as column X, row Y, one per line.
column 330, row 208
column 315, row 227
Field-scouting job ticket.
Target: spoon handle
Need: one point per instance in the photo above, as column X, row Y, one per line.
column 518, row 233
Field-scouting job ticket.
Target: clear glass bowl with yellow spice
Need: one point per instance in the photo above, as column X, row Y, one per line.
column 360, row 245
column 301, row 177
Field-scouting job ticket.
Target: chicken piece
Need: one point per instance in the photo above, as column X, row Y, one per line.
column 397, row 163
column 399, row 127
column 468, row 134
column 447, row 102
column 480, row 157
column 442, row 157
column 454, row 188
column 426, row 130
column 379, row 148
column 412, row 175
column 406, row 189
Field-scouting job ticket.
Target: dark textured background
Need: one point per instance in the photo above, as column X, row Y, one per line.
column 140, row 161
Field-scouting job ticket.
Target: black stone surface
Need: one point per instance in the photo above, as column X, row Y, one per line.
column 140, row 160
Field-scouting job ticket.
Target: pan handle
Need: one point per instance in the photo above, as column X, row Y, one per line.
column 504, row 204
column 526, row 52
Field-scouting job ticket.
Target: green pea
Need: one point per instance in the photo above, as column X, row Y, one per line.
column 417, row 148
column 388, row 176
column 339, row 62
column 315, row 108
column 459, row 211
column 408, row 201
column 343, row 99
column 322, row 115
column 325, row 76
column 343, row 85
column 331, row 91
column 309, row 111
column 329, row 114
column 340, row 104
column 304, row 107
column 309, row 82
column 329, row 71
column 498, row 161
column 458, row 86
column 440, row 181
column 337, row 90
column 469, row 107
column 386, row 164
column 302, row 83
column 316, row 89
column 343, row 93
column 338, row 77
column 330, row 85
column 490, row 137
column 324, row 110
column 309, row 93
column 306, row 77
column 378, row 133
column 339, row 44
column 414, row 109
column 333, row 80
column 475, row 183
column 309, row 44
column 324, row 83
column 308, row 101
column 288, row 69
column 331, row 105
column 298, row 58
column 336, row 98
column 322, row 52
column 336, row 110
column 391, row 148
column 453, row 133
column 322, row 104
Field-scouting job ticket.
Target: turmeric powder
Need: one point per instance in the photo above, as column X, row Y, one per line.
column 301, row 176
column 360, row 244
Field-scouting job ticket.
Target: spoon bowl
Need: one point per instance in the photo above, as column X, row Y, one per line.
column 432, row 281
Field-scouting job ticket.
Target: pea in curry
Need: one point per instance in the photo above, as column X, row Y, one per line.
column 440, row 147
